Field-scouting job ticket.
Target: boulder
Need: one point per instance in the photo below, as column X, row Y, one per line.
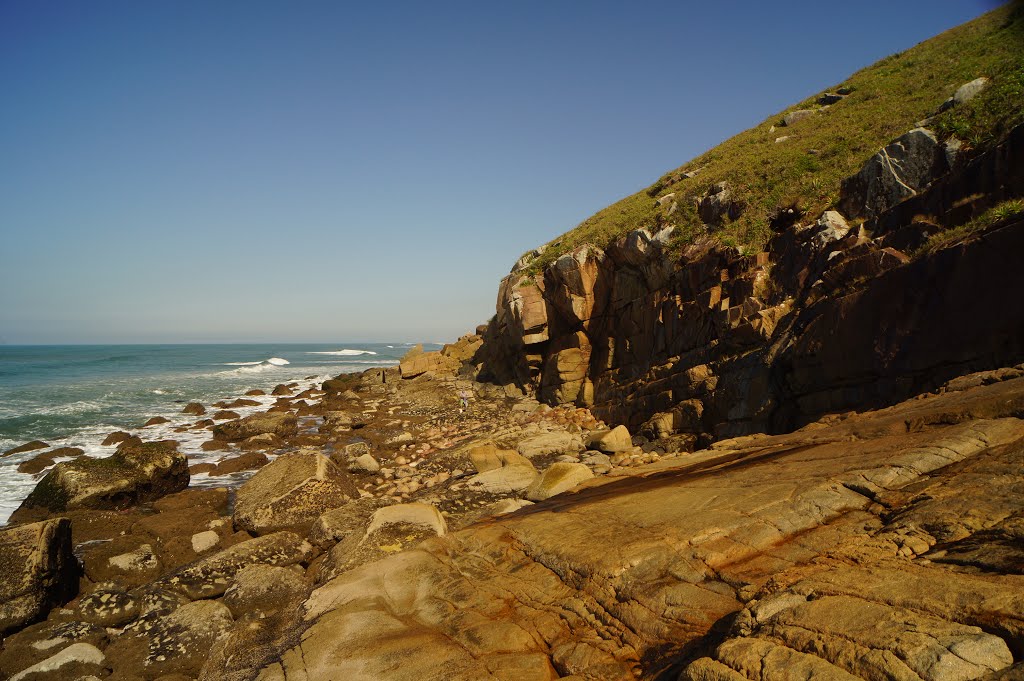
column 550, row 443
column 965, row 93
column 263, row 589
column 249, row 461
column 225, row 415
column 75, row 661
column 37, row 571
column 830, row 98
column 282, row 389
column 339, row 523
column 204, row 541
column 292, row 492
column 795, row 116
column 36, row 464
column 194, row 408
column 211, row 576
column 176, row 643
column 133, row 475
column 558, row 478
column 277, row 423
column 904, row 167
column 505, row 480
column 364, row 464
column 255, row 392
column 610, row 441
column 155, row 421
column 117, row 437
column 418, row 514
column 485, row 457
column 717, row 204
column 27, row 447
column 108, row 607
column 434, row 362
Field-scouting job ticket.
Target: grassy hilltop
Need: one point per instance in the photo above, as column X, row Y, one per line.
column 805, row 170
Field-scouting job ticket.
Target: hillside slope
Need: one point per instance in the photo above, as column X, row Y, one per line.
column 866, row 258
column 775, row 165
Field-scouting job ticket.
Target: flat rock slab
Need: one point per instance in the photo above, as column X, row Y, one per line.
column 784, row 536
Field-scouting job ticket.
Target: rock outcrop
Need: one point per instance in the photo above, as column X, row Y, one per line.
column 291, row 492
column 275, row 423
column 709, row 343
column 38, row 571
column 714, row 566
column 136, row 473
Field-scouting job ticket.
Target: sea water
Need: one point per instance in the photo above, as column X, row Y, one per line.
column 75, row 395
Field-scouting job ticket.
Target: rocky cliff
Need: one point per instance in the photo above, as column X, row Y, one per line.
column 905, row 280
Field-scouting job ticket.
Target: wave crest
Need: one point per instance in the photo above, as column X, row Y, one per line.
column 345, row 352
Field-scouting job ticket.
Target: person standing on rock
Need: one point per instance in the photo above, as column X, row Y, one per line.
column 463, row 400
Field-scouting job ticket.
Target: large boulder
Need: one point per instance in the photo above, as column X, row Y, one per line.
column 136, row 473
column 559, row 477
column 37, row 571
column 550, row 443
column 904, row 167
column 428, row 362
column 211, row 576
column 278, row 423
column 291, row 493
column 610, row 441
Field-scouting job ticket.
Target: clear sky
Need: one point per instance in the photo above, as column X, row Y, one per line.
column 327, row 171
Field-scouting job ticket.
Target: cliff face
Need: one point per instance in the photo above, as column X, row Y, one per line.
column 712, row 343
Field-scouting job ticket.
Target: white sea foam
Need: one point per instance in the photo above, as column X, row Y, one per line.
column 277, row 361
column 242, row 364
column 345, row 353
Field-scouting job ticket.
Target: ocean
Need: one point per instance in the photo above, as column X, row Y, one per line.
column 75, row 395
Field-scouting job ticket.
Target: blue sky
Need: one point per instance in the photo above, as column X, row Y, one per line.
column 328, row 171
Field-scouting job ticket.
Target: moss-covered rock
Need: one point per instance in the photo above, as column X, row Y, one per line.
column 136, row 473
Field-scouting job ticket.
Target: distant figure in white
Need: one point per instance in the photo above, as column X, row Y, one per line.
column 463, row 400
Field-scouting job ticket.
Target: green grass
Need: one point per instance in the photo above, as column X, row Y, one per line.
column 994, row 215
column 888, row 98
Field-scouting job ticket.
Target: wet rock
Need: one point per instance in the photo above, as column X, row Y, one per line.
column 27, row 447
column 116, row 437
column 558, row 478
column 155, row 421
column 194, row 408
column 255, row 392
column 36, row 464
column 37, row 571
column 226, row 415
column 277, row 423
column 292, row 492
column 134, row 474
column 249, row 461
column 127, row 560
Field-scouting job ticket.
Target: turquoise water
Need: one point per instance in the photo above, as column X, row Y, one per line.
column 74, row 395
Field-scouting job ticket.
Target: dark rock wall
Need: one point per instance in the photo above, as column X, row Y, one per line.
column 830, row 318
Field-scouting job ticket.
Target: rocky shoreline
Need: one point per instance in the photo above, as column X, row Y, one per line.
column 358, row 469
column 397, row 534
